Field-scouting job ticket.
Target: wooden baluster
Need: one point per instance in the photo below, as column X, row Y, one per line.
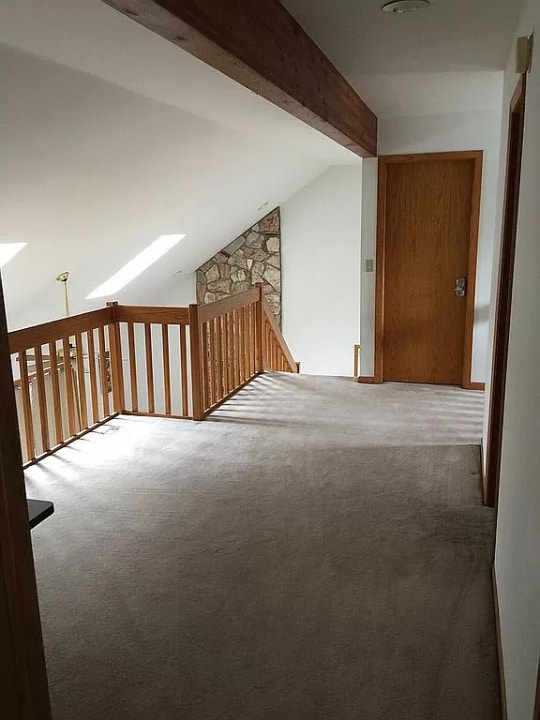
column 259, row 329
column 219, row 358
column 247, row 360
column 206, row 366
column 225, row 345
column 230, row 361
column 103, row 373
column 56, row 399
column 133, row 368
column 247, row 324
column 183, row 371
column 27, row 407
column 230, row 356
column 166, row 368
column 42, row 400
column 212, row 360
column 231, row 352
column 196, row 352
column 149, row 368
column 242, row 339
column 115, row 361
column 81, row 382
column 253, row 339
column 93, row 375
column 68, row 385
column 235, row 355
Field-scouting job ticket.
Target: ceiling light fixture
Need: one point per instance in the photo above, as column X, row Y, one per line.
column 401, row 7
column 8, row 252
column 135, row 267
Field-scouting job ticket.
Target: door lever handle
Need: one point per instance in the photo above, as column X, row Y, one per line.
column 460, row 288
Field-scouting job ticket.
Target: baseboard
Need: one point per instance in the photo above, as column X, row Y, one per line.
column 502, row 684
column 367, row 379
column 474, row 386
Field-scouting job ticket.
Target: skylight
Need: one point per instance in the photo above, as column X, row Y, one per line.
column 135, row 267
column 8, row 252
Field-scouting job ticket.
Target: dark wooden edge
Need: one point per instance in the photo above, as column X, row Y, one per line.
column 366, row 379
column 24, row 690
column 501, row 334
column 264, row 48
column 537, row 699
column 222, row 307
column 500, row 663
column 31, row 337
column 156, row 315
column 475, row 156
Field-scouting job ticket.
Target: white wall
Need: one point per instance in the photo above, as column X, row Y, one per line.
column 367, row 279
column 517, row 560
column 321, row 271
column 92, row 173
column 479, row 130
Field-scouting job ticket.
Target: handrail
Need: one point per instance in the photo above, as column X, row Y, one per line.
column 227, row 305
column 30, row 337
column 81, row 371
column 270, row 317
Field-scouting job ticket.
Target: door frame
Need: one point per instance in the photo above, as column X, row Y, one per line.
column 23, row 676
column 384, row 161
column 501, row 334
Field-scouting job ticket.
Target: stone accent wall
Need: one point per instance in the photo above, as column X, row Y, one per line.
column 255, row 256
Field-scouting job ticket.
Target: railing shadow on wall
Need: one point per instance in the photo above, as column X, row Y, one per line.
column 73, row 375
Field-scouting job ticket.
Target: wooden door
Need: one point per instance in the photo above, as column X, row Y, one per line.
column 430, row 226
column 24, row 693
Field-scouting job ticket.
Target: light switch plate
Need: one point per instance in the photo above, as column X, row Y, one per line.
column 369, row 265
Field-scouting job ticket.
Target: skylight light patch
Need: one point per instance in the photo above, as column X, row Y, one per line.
column 135, row 267
column 8, row 252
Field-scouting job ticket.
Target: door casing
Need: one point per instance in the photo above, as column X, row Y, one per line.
column 501, row 337
column 475, row 156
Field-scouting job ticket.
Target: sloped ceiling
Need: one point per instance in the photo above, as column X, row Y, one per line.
column 98, row 161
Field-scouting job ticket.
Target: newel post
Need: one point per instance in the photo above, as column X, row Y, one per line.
column 260, row 328
column 196, row 362
column 117, row 370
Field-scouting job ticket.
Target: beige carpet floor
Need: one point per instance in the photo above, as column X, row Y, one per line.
column 317, row 550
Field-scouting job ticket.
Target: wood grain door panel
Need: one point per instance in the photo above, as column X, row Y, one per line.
column 427, row 237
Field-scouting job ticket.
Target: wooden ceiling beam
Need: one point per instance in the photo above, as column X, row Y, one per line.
column 260, row 45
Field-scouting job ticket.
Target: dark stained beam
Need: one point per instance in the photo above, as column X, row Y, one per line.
column 260, row 45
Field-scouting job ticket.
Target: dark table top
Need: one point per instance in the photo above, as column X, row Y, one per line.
column 38, row 510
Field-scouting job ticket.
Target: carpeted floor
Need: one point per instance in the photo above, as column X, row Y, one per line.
column 315, row 551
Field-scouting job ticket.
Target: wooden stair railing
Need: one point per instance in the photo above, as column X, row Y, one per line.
column 75, row 374
column 55, row 401
column 238, row 338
